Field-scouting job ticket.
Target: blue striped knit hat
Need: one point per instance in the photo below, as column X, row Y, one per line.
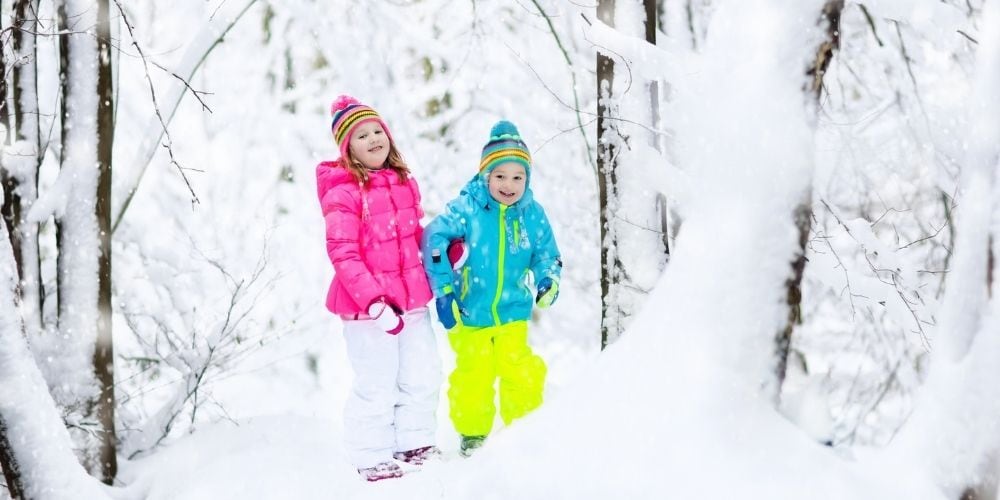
column 505, row 145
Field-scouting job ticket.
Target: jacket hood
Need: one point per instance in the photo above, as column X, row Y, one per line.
column 330, row 174
column 478, row 189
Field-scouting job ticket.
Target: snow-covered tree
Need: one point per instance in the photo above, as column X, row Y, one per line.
column 84, row 237
column 633, row 240
column 19, row 171
column 829, row 21
column 953, row 429
column 36, row 452
column 890, row 136
column 78, row 343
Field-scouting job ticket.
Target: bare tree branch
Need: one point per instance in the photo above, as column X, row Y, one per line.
column 174, row 106
column 168, row 145
column 572, row 73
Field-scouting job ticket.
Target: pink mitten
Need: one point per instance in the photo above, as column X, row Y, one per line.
column 386, row 316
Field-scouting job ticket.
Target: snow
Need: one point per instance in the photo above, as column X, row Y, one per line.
column 42, row 446
column 200, row 46
column 941, row 19
column 643, row 421
column 968, row 295
column 636, row 254
column 666, row 411
column 953, row 430
column 69, row 352
column 682, row 406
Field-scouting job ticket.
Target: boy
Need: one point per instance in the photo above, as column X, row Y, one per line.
column 486, row 303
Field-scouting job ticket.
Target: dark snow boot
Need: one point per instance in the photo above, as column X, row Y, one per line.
column 470, row 444
column 384, row 470
column 418, row 456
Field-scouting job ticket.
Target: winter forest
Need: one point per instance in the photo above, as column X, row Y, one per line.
column 776, row 217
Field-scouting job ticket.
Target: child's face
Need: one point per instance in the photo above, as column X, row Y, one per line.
column 507, row 182
column 370, row 144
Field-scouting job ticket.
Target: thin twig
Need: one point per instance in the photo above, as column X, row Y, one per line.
column 925, row 238
column 966, row 35
column 871, row 23
column 894, row 275
column 133, row 189
column 572, row 73
column 168, row 144
column 196, row 93
column 886, row 212
column 909, row 70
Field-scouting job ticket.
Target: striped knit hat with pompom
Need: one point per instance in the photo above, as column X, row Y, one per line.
column 347, row 114
column 505, row 145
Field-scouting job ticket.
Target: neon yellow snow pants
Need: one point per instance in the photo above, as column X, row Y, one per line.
column 482, row 355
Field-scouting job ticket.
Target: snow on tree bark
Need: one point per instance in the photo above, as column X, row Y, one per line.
column 26, row 152
column 83, row 328
column 830, row 21
column 633, row 251
column 607, row 153
column 37, row 450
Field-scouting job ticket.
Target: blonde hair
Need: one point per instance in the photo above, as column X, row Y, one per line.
column 394, row 162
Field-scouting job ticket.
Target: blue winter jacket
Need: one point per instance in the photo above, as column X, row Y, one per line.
column 510, row 249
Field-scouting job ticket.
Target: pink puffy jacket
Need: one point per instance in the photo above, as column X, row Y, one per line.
column 373, row 239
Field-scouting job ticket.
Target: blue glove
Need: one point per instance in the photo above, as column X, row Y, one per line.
column 548, row 291
column 445, row 306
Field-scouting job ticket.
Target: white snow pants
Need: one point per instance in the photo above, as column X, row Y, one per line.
column 395, row 393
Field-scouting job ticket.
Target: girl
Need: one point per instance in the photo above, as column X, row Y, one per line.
column 372, row 209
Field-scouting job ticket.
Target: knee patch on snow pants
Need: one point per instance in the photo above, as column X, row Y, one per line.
column 483, row 355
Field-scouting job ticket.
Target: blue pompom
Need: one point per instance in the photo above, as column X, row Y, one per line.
column 504, row 127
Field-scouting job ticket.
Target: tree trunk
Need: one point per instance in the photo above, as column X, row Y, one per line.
column 10, row 209
column 104, row 350
column 64, row 74
column 26, row 133
column 654, row 12
column 7, row 461
column 607, row 152
column 84, row 262
column 633, row 251
column 35, row 448
column 990, row 264
column 11, row 472
column 19, row 191
column 803, row 213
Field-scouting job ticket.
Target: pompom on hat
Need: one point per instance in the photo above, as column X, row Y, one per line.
column 505, row 144
column 347, row 114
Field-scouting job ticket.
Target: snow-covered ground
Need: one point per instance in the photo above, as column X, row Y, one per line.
column 679, row 408
column 640, row 421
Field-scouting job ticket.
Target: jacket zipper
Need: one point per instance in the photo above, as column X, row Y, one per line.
column 503, row 251
column 394, row 221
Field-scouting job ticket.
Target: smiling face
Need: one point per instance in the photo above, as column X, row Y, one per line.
column 507, row 182
column 370, row 144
